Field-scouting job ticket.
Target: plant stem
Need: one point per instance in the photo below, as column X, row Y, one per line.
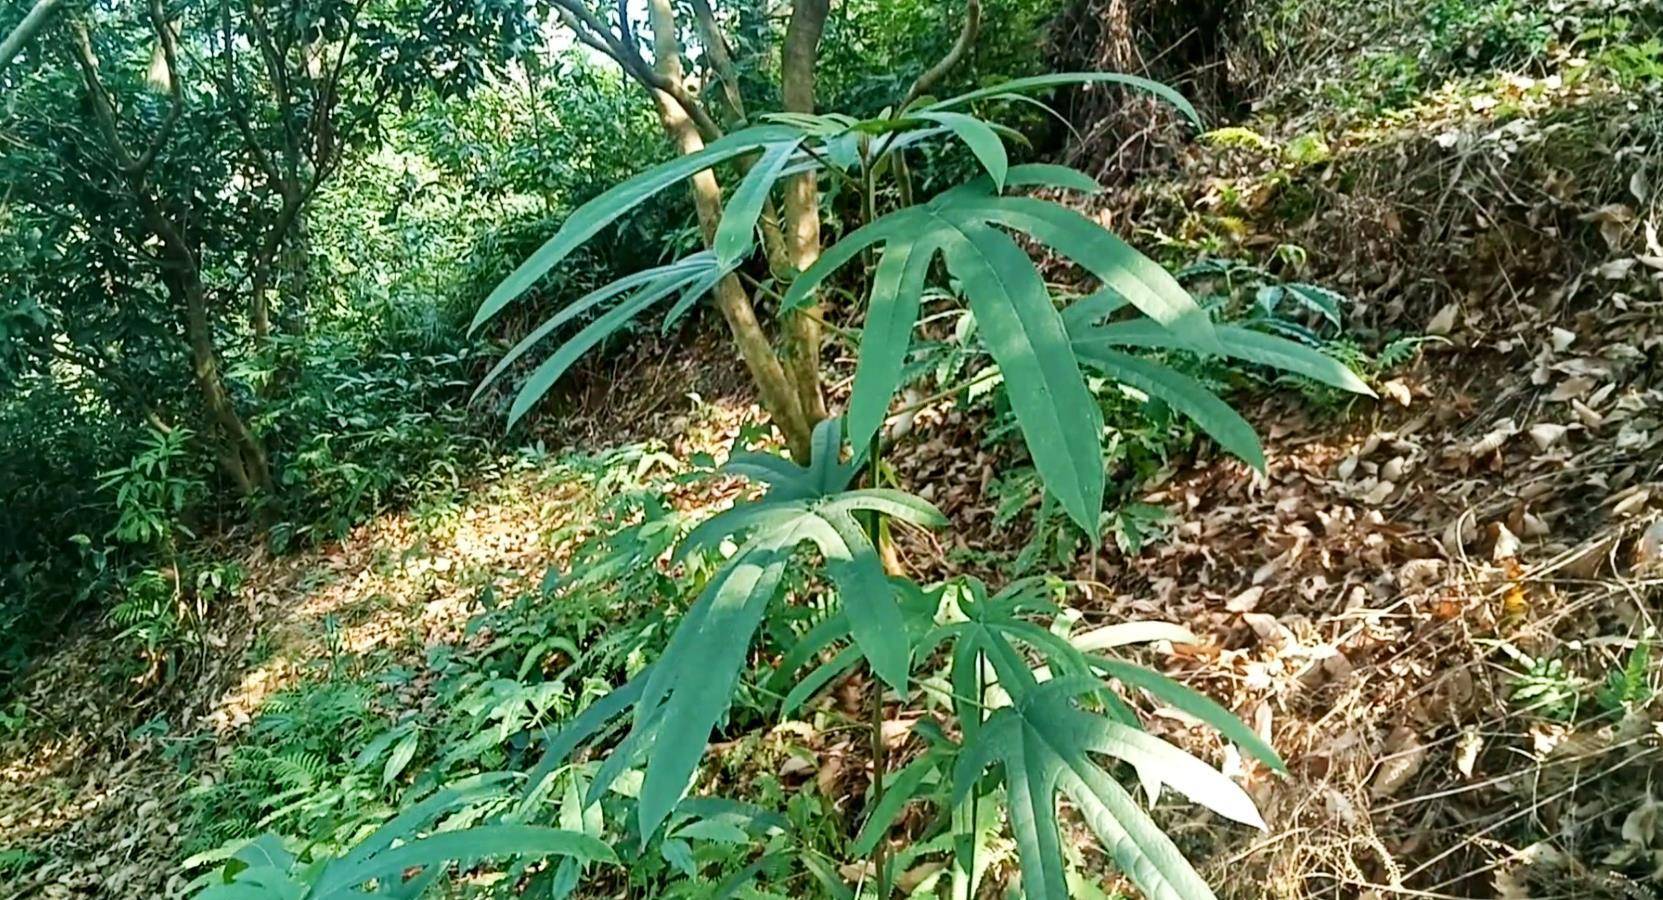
column 880, row 762
column 976, row 795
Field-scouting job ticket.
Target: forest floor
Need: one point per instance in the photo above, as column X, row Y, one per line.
column 1439, row 607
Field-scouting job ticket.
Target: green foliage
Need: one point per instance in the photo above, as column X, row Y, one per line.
column 265, row 869
column 1484, row 35
column 1629, row 687
column 151, row 492
column 1041, row 740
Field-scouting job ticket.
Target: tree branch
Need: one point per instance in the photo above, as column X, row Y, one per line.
column 26, row 30
column 721, row 57
column 176, row 90
column 966, row 39
column 624, row 51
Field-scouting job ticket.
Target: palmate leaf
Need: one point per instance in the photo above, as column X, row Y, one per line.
column 1028, row 339
column 1044, row 744
column 679, row 699
column 810, row 504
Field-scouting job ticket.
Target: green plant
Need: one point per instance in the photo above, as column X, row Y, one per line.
column 1041, row 734
column 153, row 490
column 1630, row 686
column 1544, row 687
column 265, row 869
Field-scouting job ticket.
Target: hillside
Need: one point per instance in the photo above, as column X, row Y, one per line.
column 1438, row 605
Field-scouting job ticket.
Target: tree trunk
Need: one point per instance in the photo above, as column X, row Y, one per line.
column 802, row 206
column 779, row 396
column 241, row 455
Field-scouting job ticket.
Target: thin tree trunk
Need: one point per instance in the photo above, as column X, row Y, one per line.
column 802, row 206
column 778, row 393
column 242, row 455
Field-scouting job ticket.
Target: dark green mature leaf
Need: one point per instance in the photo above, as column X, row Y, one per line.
column 1051, row 175
column 673, row 271
column 1044, row 744
column 909, row 508
column 590, row 218
column 899, row 789
column 1188, row 701
column 1238, row 343
column 980, row 137
column 1184, row 394
column 891, row 314
column 693, row 682
column 1136, row 844
column 585, row 725
column 735, row 236
column 1060, row 419
column 1134, row 276
column 545, row 375
column 868, row 601
column 1038, row 83
column 819, row 677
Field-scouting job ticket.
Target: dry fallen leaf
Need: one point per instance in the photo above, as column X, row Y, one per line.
column 1246, row 601
column 1546, row 434
column 1648, row 551
column 1507, row 544
column 1404, row 756
column 1444, row 322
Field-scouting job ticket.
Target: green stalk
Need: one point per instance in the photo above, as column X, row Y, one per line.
column 976, row 795
column 880, row 762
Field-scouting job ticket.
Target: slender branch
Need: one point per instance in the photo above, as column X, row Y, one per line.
column 176, row 90
column 721, row 57
column 623, row 51
column 233, row 98
column 277, row 70
column 38, row 16
column 961, row 46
